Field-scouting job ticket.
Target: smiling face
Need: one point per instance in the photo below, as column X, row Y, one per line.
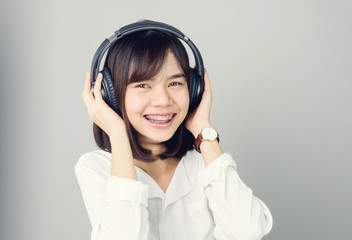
column 156, row 107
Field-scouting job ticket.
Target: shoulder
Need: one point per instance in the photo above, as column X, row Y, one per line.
column 98, row 162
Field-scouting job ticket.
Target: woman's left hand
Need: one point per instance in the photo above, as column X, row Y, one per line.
column 200, row 117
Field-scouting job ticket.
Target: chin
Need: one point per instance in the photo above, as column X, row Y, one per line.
column 157, row 138
column 161, row 139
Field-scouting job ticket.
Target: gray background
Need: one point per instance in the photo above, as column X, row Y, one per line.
column 281, row 76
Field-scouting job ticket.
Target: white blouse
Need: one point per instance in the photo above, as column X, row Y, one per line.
column 200, row 203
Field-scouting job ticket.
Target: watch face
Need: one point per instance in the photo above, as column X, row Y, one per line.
column 209, row 134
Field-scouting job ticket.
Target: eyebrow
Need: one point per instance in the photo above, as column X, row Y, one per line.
column 179, row 75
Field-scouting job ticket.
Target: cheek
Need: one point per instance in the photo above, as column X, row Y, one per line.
column 186, row 96
column 131, row 104
column 183, row 100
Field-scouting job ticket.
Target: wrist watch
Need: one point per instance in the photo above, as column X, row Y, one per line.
column 207, row 134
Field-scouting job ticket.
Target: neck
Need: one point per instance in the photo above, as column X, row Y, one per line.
column 155, row 148
column 159, row 168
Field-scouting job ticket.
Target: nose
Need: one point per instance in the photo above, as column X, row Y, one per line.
column 161, row 97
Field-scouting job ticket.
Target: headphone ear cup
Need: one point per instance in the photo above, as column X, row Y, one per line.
column 195, row 88
column 108, row 91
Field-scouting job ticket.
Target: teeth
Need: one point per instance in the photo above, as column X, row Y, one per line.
column 158, row 118
column 161, row 121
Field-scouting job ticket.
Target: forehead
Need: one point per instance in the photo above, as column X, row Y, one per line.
column 145, row 67
column 171, row 69
column 171, row 63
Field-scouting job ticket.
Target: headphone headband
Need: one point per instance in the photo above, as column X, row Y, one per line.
column 147, row 25
column 140, row 26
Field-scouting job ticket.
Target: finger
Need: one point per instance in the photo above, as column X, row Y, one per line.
column 87, row 84
column 97, row 87
column 86, row 94
column 207, row 86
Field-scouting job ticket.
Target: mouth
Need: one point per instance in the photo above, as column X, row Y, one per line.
column 159, row 118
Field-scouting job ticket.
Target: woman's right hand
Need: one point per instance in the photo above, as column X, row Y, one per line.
column 99, row 111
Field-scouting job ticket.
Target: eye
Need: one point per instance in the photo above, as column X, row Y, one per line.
column 176, row 84
column 142, row 85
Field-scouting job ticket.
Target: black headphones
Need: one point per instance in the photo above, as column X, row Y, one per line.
column 196, row 84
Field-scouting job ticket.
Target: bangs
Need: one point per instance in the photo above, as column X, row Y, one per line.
column 148, row 55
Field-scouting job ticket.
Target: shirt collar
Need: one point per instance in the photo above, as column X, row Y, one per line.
column 179, row 186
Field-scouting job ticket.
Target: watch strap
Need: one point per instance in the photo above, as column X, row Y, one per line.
column 197, row 142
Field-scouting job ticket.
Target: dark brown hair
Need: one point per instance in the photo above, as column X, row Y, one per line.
column 139, row 56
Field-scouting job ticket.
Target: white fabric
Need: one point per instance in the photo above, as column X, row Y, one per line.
column 200, row 203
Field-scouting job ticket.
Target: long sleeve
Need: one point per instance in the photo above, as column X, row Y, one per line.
column 117, row 207
column 237, row 213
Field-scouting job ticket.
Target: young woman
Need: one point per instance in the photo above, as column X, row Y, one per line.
column 148, row 182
